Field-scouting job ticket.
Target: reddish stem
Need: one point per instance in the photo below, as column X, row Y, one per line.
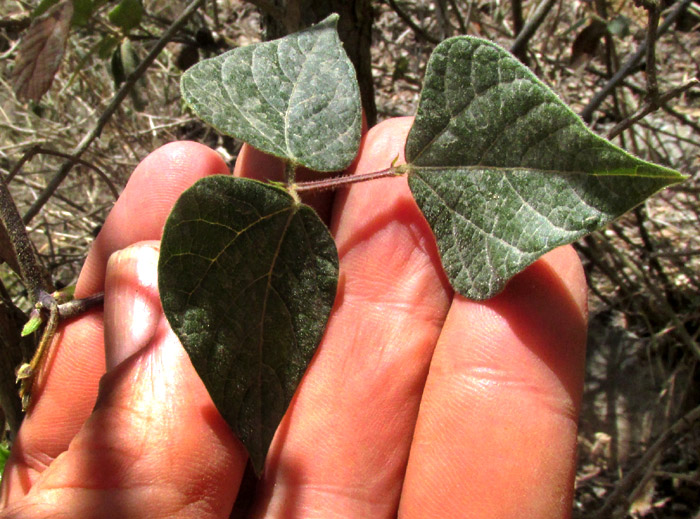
column 336, row 182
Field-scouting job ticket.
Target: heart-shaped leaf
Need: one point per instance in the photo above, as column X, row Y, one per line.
column 296, row 98
column 247, row 278
column 504, row 171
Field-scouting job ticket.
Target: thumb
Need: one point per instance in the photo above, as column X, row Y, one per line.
column 155, row 446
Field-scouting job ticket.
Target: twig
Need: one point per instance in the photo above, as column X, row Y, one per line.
column 38, row 150
column 630, row 65
column 519, row 46
column 619, row 495
column 516, row 7
column 442, row 18
column 269, row 8
column 468, row 19
column 612, row 61
column 652, row 8
column 33, row 274
column 78, row 307
column 664, row 308
column 652, row 105
column 96, row 130
column 27, row 372
column 215, row 15
column 682, row 118
column 419, row 31
column 460, row 20
column 641, row 217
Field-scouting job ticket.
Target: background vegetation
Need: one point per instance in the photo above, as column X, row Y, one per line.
column 630, row 68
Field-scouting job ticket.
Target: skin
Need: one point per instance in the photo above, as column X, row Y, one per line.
column 418, row 403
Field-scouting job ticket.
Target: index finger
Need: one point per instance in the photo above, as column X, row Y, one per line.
column 65, row 392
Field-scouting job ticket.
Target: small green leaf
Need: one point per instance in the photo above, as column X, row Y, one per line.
column 126, row 15
column 296, row 98
column 82, row 11
column 4, row 455
column 125, row 60
column 106, row 46
column 620, row 26
column 247, row 278
column 65, row 294
column 32, row 324
column 504, row 171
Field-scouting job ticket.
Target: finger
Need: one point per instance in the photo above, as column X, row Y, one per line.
column 496, row 432
column 155, row 446
column 342, row 447
column 65, row 396
column 145, row 203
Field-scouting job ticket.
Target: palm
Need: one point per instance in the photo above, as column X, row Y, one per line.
column 417, row 401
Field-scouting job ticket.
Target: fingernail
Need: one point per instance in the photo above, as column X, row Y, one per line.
column 131, row 307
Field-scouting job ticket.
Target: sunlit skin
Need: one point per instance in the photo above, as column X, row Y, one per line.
column 418, row 403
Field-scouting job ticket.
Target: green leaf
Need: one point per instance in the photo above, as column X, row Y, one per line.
column 33, row 324
column 620, row 26
column 247, row 278
column 126, row 15
column 296, row 98
column 504, row 172
column 4, row 456
column 125, row 60
column 106, row 46
column 82, row 11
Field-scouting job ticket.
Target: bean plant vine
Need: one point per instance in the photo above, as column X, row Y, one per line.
column 500, row 167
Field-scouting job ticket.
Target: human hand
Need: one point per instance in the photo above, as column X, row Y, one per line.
column 418, row 402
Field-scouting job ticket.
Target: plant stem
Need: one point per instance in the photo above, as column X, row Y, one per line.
column 519, row 47
column 653, row 24
column 418, row 30
column 34, row 276
column 621, row 491
column 336, row 182
column 649, row 107
column 79, row 306
column 27, row 372
column 57, row 313
column 38, row 150
column 290, row 173
column 629, row 66
column 109, row 111
column 463, row 29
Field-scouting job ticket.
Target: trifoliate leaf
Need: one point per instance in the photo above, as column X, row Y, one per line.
column 247, row 278
column 504, row 171
column 296, row 98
